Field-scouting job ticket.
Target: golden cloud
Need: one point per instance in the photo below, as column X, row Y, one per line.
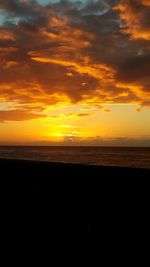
column 72, row 53
column 135, row 15
column 18, row 115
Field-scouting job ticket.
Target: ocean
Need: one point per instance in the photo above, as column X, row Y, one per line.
column 104, row 156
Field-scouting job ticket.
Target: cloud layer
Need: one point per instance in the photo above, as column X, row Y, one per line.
column 93, row 52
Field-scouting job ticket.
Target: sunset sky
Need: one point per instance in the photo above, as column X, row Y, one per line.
column 75, row 72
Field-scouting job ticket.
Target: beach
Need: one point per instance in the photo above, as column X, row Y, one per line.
column 45, row 199
column 39, row 177
column 45, row 174
column 73, row 182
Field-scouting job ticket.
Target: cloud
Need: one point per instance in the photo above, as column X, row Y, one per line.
column 74, row 52
column 83, row 114
column 135, row 69
column 18, row 115
column 135, row 16
column 74, row 140
column 99, row 141
column 71, row 115
column 78, row 115
column 107, row 110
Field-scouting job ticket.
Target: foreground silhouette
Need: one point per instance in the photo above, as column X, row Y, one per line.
column 73, row 201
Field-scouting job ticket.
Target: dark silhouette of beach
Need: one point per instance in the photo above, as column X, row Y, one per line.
column 70, row 199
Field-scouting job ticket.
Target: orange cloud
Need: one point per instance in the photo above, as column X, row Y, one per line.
column 107, row 110
column 145, row 2
column 73, row 53
column 18, row 115
column 72, row 115
column 6, row 35
column 135, row 17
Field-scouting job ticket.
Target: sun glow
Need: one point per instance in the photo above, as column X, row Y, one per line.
column 74, row 71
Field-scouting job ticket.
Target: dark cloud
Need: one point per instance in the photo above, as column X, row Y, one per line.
column 99, row 141
column 74, row 52
column 20, row 7
column 134, row 69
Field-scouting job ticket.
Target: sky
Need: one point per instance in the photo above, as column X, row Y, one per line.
column 75, row 72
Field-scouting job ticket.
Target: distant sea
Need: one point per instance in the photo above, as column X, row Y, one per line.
column 108, row 156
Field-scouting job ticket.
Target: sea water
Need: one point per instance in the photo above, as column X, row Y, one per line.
column 107, row 156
